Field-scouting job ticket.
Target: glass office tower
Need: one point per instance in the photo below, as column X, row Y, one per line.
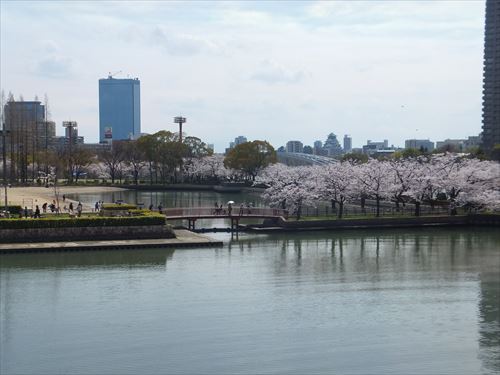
column 119, row 109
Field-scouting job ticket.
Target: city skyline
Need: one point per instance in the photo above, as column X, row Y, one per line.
column 372, row 70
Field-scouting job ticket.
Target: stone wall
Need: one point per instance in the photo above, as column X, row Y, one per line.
column 376, row 222
column 85, row 233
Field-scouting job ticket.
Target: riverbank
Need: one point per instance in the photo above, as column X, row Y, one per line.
column 282, row 225
column 183, row 239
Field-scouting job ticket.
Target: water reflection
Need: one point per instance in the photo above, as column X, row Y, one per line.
column 93, row 259
column 489, row 323
column 406, row 301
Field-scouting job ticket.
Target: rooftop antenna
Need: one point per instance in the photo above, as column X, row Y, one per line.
column 111, row 75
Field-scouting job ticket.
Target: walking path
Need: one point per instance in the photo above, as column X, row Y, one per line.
column 39, row 195
column 184, row 238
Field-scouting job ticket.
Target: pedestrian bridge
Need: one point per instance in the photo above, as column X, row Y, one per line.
column 235, row 215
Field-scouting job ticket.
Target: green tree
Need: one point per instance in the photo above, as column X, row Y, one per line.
column 250, row 157
column 355, row 157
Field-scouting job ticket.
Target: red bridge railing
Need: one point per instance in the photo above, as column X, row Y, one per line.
column 193, row 212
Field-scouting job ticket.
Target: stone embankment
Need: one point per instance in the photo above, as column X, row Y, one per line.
column 181, row 239
column 85, row 233
column 390, row 222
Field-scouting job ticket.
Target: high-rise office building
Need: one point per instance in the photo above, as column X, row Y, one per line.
column 347, row 144
column 294, row 146
column 491, row 76
column 119, row 108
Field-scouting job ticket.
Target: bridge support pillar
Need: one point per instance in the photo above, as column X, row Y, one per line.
column 235, row 222
column 191, row 224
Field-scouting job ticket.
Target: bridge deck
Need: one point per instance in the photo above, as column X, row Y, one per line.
column 213, row 213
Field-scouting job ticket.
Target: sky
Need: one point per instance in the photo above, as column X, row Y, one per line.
column 274, row 71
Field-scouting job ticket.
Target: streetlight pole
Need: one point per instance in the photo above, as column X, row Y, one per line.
column 180, row 120
column 70, row 125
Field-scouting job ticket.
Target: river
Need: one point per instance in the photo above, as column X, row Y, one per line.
column 397, row 301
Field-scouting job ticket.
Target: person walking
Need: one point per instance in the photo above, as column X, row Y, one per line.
column 79, row 209
column 70, row 207
column 25, row 212
column 37, row 212
column 160, row 208
column 241, row 209
column 44, row 207
column 64, row 197
column 229, row 209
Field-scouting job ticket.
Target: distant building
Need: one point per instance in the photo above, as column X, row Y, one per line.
column 318, row 148
column 332, row 145
column 347, row 144
column 371, row 148
column 294, row 146
column 457, row 144
column 491, row 76
column 119, row 109
column 420, row 144
column 27, row 131
column 237, row 141
column 460, row 145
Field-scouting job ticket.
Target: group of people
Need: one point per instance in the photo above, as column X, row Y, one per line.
column 37, row 213
column 160, row 208
column 244, row 209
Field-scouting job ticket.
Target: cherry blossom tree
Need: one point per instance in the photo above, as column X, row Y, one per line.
column 336, row 183
column 289, row 187
column 373, row 179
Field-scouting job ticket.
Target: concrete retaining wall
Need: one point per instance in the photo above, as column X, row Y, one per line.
column 86, row 233
column 376, row 223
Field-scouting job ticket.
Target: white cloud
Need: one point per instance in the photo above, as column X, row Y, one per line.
column 182, row 44
column 51, row 63
column 271, row 72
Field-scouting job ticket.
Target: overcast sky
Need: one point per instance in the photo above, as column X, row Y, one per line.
column 277, row 71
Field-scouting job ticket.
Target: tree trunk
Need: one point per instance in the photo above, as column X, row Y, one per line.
column 299, row 211
column 378, row 205
column 341, row 209
column 417, row 208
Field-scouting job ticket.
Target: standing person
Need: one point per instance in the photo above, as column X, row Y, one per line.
column 70, row 207
column 241, row 209
column 151, row 207
column 79, row 209
column 96, row 206
column 160, row 208
column 229, row 209
column 64, row 197
column 37, row 212
column 44, row 207
column 25, row 212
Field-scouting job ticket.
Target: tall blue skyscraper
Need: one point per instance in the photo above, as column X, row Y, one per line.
column 119, row 108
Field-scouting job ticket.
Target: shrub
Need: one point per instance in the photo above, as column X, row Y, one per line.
column 118, row 207
column 15, row 210
column 92, row 221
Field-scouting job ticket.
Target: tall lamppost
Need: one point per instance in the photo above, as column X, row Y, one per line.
column 70, row 125
column 180, row 120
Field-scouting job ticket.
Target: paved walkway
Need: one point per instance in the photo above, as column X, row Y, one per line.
column 184, row 238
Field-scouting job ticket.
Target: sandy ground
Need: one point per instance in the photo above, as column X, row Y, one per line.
column 27, row 196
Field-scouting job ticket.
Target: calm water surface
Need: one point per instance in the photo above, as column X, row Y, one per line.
column 356, row 302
